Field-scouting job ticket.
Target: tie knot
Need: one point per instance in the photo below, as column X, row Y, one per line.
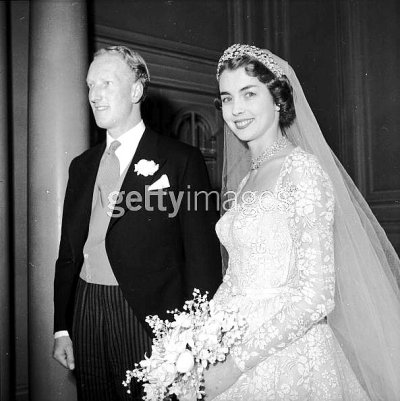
column 113, row 147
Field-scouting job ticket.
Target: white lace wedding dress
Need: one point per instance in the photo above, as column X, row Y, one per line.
column 281, row 276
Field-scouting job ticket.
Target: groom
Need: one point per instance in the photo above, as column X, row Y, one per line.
column 137, row 234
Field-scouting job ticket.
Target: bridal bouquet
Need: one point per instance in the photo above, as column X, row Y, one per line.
column 182, row 349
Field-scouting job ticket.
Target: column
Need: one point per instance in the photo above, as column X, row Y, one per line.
column 5, row 292
column 58, row 131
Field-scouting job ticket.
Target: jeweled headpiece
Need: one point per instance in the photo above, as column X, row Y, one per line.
column 238, row 50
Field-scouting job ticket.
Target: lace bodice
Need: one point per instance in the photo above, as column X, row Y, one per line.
column 281, row 263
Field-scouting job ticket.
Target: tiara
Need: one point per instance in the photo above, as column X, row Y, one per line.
column 238, row 50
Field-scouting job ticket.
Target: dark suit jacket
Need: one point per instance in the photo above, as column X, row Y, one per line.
column 157, row 258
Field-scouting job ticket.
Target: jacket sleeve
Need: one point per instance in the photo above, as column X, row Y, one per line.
column 67, row 266
column 198, row 216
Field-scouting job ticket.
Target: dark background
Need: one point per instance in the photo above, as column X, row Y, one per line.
column 345, row 53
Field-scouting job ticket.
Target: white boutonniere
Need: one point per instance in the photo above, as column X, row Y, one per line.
column 146, row 167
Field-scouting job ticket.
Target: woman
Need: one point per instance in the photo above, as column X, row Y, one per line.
column 309, row 266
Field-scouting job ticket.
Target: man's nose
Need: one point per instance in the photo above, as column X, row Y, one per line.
column 94, row 94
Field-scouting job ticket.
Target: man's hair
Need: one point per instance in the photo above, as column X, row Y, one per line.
column 133, row 60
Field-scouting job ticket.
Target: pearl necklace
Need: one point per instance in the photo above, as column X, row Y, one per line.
column 270, row 151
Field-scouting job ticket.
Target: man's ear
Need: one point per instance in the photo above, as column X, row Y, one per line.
column 136, row 92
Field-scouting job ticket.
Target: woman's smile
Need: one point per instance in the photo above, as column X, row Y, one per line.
column 242, row 124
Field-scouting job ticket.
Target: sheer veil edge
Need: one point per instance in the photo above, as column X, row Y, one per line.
column 366, row 318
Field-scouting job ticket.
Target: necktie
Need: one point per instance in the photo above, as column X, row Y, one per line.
column 108, row 174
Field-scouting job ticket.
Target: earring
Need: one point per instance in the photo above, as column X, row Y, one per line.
column 278, row 107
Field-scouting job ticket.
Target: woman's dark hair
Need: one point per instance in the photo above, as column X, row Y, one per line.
column 280, row 88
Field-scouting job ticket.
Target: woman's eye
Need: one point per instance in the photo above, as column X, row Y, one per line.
column 225, row 99
column 249, row 94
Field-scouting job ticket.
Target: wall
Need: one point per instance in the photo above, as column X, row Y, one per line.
column 379, row 150
column 344, row 53
column 346, row 58
column 201, row 24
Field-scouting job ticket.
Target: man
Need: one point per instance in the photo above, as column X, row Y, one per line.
column 135, row 240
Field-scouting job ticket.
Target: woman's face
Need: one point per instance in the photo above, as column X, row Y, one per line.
column 247, row 106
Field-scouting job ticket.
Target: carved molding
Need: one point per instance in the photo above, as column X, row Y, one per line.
column 195, row 127
column 387, row 213
column 201, row 112
column 383, row 198
column 173, row 65
column 152, row 44
column 22, row 393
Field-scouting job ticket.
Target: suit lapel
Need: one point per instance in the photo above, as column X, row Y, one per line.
column 148, row 150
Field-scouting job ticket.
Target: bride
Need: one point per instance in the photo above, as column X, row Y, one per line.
column 309, row 266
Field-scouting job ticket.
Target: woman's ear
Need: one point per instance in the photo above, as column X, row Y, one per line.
column 137, row 92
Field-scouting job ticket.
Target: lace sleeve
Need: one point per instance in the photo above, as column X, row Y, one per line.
column 311, row 224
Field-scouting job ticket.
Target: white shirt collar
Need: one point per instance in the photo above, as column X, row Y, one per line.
column 129, row 143
column 130, row 137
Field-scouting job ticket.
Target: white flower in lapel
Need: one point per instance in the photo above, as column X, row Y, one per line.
column 146, row 167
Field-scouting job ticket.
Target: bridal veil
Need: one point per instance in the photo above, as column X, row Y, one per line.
column 366, row 318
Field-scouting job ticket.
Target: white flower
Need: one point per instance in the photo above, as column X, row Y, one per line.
column 151, row 391
column 315, row 316
column 173, row 348
column 189, row 395
column 146, row 167
column 165, row 373
column 202, row 334
column 185, row 362
column 183, row 320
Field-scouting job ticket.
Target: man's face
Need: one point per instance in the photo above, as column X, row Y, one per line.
column 111, row 94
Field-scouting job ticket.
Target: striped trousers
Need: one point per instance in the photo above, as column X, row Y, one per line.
column 107, row 340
